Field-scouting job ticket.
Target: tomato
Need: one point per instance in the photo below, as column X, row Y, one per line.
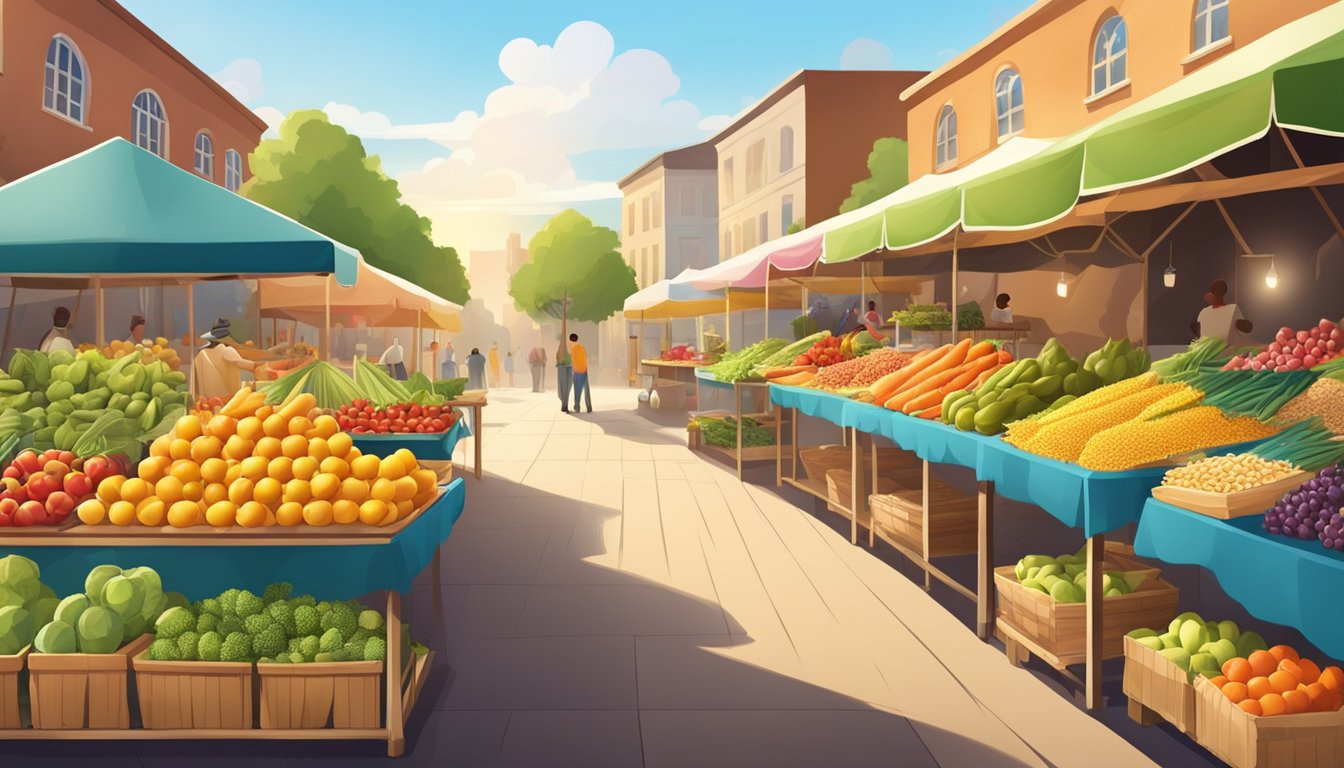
column 415, row 411
column 434, row 411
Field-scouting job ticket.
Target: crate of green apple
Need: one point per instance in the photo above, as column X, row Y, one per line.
column 362, row 417
column 44, row 488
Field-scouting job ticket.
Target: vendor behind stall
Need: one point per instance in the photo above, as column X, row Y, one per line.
column 217, row 366
column 1001, row 314
column 59, row 335
column 1221, row 320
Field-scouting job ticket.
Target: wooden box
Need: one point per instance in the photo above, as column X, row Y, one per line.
column 839, row 491
column 1154, row 684
column 11, row 668
column 1058, row 631
column 953, row 518
column 82, row 690
column 1306, row 740
column 893, row 463
column 342, row 694
column 202, row 695
column 1226, row 506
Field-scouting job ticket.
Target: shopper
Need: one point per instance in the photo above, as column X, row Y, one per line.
column 494, row 364
column 137, row 329
column 536, row 360
column 394, row 360
column 508, row 367
column 449, row 361
column 59, row 335
column 1220, row 320
column 217, row 366
column 1002, row 313
column 564, row 374
column 580, row 357
column 475, row 369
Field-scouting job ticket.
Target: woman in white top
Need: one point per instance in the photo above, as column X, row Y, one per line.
column 1220, row 320
column 394, row 360
column 58, row 337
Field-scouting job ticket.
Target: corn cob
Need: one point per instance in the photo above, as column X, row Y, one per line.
column 1064, row 439
column 1182, row 398
column 1135, row 443
column 1019, row 432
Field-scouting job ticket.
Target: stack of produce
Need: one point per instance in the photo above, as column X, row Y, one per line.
column 861, row 371
column 1312, row 510
column 1064, row 578
column 1252, row 393
column 361, row 417
column 239, row 626
column 149, row 350
column 923, row 317
column 258, row 465
column 1200, row 647
column 679, row 352
column 43, row 489
column 1017, row 390
column 26, row 604
column 325, row 382
column 827, row 351
column 1183, row 366
column 88, row 404
column 787, row 354
column 920, row 388
column 1291, row 350
column 1117, row 361
column 723, row 432
column 1229, row 473
column 741, row 365
column 1306, row 445
column 970, row 317
column 115, row 607
column 1324, row 398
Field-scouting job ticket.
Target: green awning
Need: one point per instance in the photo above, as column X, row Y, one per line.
column 119, row 210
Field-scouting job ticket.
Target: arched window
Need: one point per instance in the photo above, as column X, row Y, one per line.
column 205, row 156
column 947, row 136
column 1109, row 55
column 149, row 124
column 66, row 88
column 1210, row 23
column 785, row 149
column 233, row 170
column 1008, row 105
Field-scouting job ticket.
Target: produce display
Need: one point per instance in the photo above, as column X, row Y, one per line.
column 256, row 465
column 1201, row 647
column 1291, row 350
column 1312, row 510
column 723, row 432
column 827, row 351
column 861, row 372
column 923, row 317
column 328, row 385
column 1017, row 390
column 920, row 388
column 43, row 489
column 679, row 352
column 149, row 350
column 26, row 604
column 1252, row 393
column 1324, row 398
column 116, row 606
column 787, row 354
column 1116, row 361
column 361, row 417
column 1183, row 366
column 1306, row 445
column 741, row 365
column 1228, row 473
column 1064, row 578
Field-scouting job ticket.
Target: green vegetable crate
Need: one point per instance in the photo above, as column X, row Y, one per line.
column 82, row 690
column 203, row 695
column 11, row 668
column 338, row 694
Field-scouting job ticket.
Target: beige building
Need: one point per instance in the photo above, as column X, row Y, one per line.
column 669, row 214
column 794, row 155
column 489, row 273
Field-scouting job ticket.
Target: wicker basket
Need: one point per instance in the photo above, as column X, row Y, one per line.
column 953, row 518
column 82, row 690
column 1154, row 684
column 1060, row 629
column 839, row 490
column 205, row 695
column 11, row 668
column 339, row 694
column 1306, row 740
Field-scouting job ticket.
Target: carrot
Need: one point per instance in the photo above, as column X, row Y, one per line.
column 980, row 350
column 982, row 378
column 931, row 413
column 931, row 384
column 888, row 385
column 924, row 402
column 776, row 373
column 796, row 379
column 955, row 357
column 1005, row 357
column 970, row 372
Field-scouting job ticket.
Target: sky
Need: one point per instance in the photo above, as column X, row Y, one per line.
column 494, row 116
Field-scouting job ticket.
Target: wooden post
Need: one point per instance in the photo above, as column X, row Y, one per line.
column 984, row 567
column 953, row 304
column 925, row 544
column 872, row 524
column 324, row 338
column 99, row 329
column 767, row 302
column 420, row 339
column 9, row 322
column 855, row 483
column 191, row 336
column 727, row 320
column 1096, row 553
column 396, row 737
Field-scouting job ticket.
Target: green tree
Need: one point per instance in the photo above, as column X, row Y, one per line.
column 797, row 226
column 888, row 171
column 574, row 270
column 318, row 174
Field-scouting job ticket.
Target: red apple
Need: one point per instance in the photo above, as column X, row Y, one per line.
column 65, row 457
column 28, row 461
column 41, row 486
column 78, row 485
column 56, row 469
column 13, row 471
column 60, row 504
column 30, row 513
column 96, row 467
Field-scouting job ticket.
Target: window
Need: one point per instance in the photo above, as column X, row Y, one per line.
column 644, row 222
column 755, row 166
column 149, row 124
column 204, row 159
column 657, row 209
column 727, row 245
column 66, row 88
column 1109, row 55
column 688, row 201
column 1008, row 103
column 763, row 221
column 726, row 180
column 947, row 137
column 656, row 266
column 233, row 170
column 1210, row 23
column 630, row 219
column 785, row 149
column 785, row 215
column 644, row 266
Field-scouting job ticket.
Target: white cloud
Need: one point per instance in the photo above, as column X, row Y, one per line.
column 271, row 116
column 242, row 78
column 865, row 53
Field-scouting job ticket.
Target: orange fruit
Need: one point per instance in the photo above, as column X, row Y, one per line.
column 275, row 426
column 268, row 447
column 1283, row 682
column 1250, row 707
column 334, row 466
column 1218, row 681
column 160, row 445
column 289, row 514
column 185, row 470
column 153, row 468
column 1315, row 694
column 249, row 428
column 281, row 468
column 391, row 468
column 298, row 490
column 318, row 513
column 109, row 490
column 408, row 460
column 1310, row 673
column 1333, row 700
column 405, row 487
column 325, row 486
column 326, row 425
column 215, row 492
column 364, row 467
column 294, row 446
column 354, row 490
column 1291, row 667
column 318, row 448
column 270, row 518
column 188, row 427
column 264, row 412
column 206, row 447
column 268, row 491
column 344, row 512
column 212, row 470
column 222, row 426
column 1262, row 663
column 233, row 471
column 121, row 513
column 1235, row 692
column 299, row 425
column 425, row 480
column 305, row 467
column 339, row 443
column 179, row 449
column 1273, row 704
column 240, row 492
column 253, row 468
column 1282, row 652
column 1259, row 687
column 383, row 490
column 92, row 512
column 184, row 514
column 252, row 515
column 193, row 491
column 1297, row 701
column 151, row 512
column 135, row 489
column 237, row 448
column 372, row 512
column 404, row 509
column 1331, row 677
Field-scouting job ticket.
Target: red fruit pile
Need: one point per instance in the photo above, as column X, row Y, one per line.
column 1291, row 350
column 361, row 417
column 681, row 352
column 823, row 353
column 44, row 488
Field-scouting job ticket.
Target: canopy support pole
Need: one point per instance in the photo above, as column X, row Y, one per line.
column 1166, row 232
column 420, row 340
column 1316, row 192
column 767, row 302
column 863, row 290
column 955, row 264
column 191, row 336
column 324, row 342
column 261, row 341
column 99, row 331
column 1236, row 233
column 728, row 320
column 9, row 321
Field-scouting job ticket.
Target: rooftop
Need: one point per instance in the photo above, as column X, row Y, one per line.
column 695, row 157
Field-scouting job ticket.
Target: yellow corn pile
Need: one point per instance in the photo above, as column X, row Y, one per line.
column 1185, row 397
column 1229, row 473
column 1019, row 432
column 1064, row 439
column 1135, row 443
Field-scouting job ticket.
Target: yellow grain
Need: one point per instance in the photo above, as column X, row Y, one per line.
column 1019, row 432
column 1229, row 473
column 1135, row 443
column 1064, row 439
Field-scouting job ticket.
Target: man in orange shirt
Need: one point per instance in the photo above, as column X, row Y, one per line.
column 580, row 358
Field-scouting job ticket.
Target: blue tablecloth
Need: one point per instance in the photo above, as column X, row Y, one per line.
column 328, row 571
column 431, row 446
column 812, row 402
column 1287, row 581
column 706, row 379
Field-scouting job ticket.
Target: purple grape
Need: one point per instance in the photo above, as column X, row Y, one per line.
column 1339, row 545
column 1303, row 531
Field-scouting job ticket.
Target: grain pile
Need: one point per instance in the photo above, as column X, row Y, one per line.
column 1325, row 398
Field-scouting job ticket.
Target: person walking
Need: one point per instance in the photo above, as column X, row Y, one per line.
column 564, row 374
column 449, row 361
column 475, row 369
column 580, row 357
column 508, row 367
column 536, row 360
column 493, row 358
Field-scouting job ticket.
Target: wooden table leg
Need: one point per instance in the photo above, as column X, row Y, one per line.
column 855, row 484
column 872, row 463
column 396, row 737
column 779, row 446
column 984, row 567
column 737, row 398
column 476, row 439
column 924, row 552
column 1096, row 554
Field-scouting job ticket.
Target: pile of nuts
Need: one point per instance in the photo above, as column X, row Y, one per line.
column 1229, row 473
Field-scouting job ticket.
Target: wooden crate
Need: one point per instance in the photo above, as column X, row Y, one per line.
column 1307, row 740
column 953, row 518
column 1059, row 630
column 11, row 667
column 1228, row 506
column 839, row 490
column 894, row 463
column 82, row 690
column 342, row 694
column 1156, row 687
column 202, row 695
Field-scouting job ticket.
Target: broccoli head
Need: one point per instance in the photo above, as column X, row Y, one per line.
column 277, row 591
column 330, row 640
column 210, row 646
column 236, row 647
column 248, row 604
column 343, row 618
column 370, row 620
column 230, row 624
column 296, row 658
column 323, row 607
column 187, row 644
column 255, row 623
column 228, row 601
column 164, row 649
column 354, row 648
column 173, row 622
column 308, row 600
column 309, row 646
column 270, row 641
column 282, row 613
column 212, row 606
column 306, row 621
column 324, row 657
column 375, row 649
column 207, row 622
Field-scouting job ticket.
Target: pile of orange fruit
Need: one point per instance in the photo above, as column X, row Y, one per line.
column 1280, row 682
column 254, row 465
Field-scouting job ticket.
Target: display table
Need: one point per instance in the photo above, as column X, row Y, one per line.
column 431, row 448
column 476, row 404
column 1287, row 581
column 203, row 562
column 676, row 372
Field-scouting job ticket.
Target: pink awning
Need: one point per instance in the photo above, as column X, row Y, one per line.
column 749, row 270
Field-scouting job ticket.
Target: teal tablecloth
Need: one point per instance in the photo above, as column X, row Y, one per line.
column 432, row 446
column 1287, row 581
column 329, row 572
column 706, row 379
column 812, row 402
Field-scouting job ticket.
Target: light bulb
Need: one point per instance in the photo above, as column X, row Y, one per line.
column 1062, row 288
column 1169, row 277
column 1271, row 277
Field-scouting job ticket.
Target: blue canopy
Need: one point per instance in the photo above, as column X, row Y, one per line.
column 117, row 210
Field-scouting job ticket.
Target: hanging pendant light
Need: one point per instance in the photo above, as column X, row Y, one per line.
column 1272, row 276
column 1169, row 274
column 1062, row 287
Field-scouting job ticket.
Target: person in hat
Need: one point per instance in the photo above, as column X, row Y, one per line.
column 59, row 335
column 217, row 366
column 394, row 360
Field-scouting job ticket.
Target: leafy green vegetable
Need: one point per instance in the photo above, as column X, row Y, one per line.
column 723, row 432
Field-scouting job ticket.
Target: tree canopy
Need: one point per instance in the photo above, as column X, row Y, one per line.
column 573, row 254
column 888, row 171
column 319, row 175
